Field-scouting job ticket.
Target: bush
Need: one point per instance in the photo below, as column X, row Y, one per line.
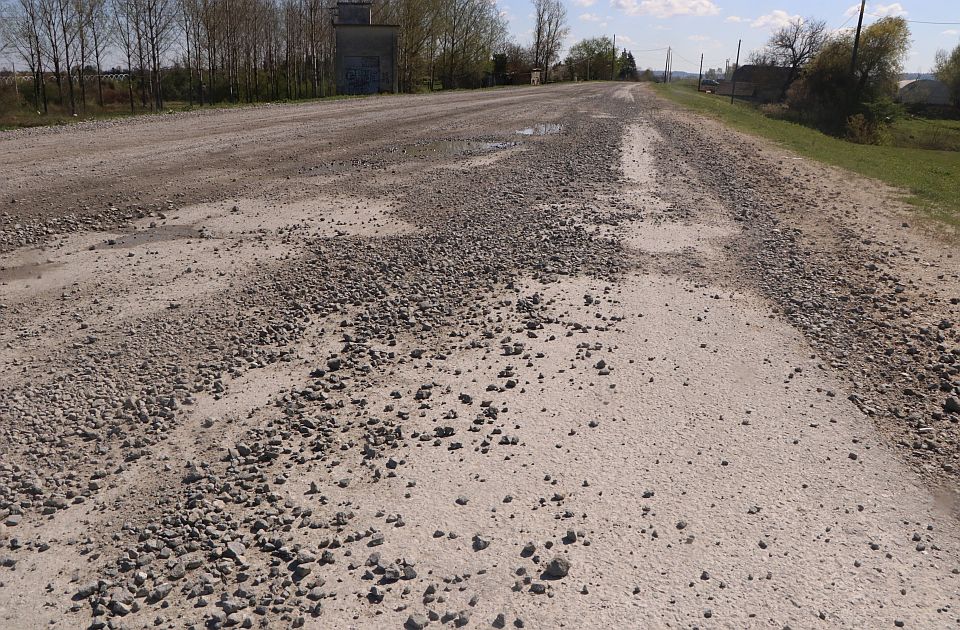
column 861, row 130
column 882, row 111
column 857, row 105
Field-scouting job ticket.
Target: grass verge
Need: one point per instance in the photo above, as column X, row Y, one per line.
column 932, row 178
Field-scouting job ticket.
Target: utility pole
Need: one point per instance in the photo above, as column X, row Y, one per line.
column 856, row 40
column 666, row 64
column 736, row 66
column 613, row 59
column 700, row 78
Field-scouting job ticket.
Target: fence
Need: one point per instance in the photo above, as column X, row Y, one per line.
column 9, row 79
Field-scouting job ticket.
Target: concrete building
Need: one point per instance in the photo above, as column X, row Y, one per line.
column 365, row 58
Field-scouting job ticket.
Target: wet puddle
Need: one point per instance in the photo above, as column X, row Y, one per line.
column 541, row 129
column 33, row 271
column 158, row 234
column 455, row 147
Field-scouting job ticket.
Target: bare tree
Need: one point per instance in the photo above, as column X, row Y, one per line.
column 65, row 20
column 249, row 50
column 125, row 16
column 24, row 32
column 99, row 26
column 549, row 30
column 795, row 44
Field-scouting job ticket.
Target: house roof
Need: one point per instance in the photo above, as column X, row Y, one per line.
column 761, row 74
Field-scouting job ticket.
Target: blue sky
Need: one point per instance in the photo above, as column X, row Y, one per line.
column 712, row 27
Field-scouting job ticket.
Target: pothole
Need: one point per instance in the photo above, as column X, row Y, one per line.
column 455, row 147
column 157, row 234
column 541, row 129
column 32, row 271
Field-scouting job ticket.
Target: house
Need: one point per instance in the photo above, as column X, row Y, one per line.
column 759, row 83
column 923, row 92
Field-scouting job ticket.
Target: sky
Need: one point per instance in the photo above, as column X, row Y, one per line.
column 712, row 27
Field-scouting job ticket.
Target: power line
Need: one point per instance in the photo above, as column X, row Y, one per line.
column 915, row 21
column 847, row 22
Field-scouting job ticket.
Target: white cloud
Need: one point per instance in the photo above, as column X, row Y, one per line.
column 951, row 32
column 589, row 17
column 699, row 38
column 735, row 19
column 888, row 10
column 667, row 8
column 878, row 10
column 623, row 39
column 585, row 3
column 775, row 19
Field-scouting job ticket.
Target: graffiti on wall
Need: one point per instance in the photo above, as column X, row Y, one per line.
column 362, row 74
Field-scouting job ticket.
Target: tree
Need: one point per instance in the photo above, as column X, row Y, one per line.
column 713, row 73
column 883, row 47
column 795, row 44
column 250, row 50
column 828, row 94
column 519, row 58
column 591, row 58
column 627, row 66
column 947, row 69
column 24, row 31
column 549, row 30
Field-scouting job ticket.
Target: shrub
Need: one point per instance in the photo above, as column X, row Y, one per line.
column 829, row 96
column 861, row 130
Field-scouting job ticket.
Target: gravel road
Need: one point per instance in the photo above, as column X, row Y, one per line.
column 535, row 357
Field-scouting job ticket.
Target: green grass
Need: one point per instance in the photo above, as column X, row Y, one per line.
column 925, row 133
column 18, row 118
column 21, row 116
column 931, row 178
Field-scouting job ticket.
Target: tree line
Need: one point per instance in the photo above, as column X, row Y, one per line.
column 211, row 51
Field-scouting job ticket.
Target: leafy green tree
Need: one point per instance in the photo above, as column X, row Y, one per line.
column 626, row 66
column 591, row 58
column 947, row 69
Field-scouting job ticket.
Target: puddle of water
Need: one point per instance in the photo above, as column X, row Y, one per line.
column 455, row 147
column 541, row 129
column 32, row 271
column 156, row 234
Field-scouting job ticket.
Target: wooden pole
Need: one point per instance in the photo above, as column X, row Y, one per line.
column 666, row 64
column 613, row 60
column 733, row 92
column 700, row 79
column 856, row 40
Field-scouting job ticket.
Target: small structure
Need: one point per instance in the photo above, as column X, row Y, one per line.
column 535, row 76
column 923, row 92
column 365, row 59
column 760, row 83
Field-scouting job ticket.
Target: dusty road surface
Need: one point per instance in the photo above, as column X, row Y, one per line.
column 541, row 358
